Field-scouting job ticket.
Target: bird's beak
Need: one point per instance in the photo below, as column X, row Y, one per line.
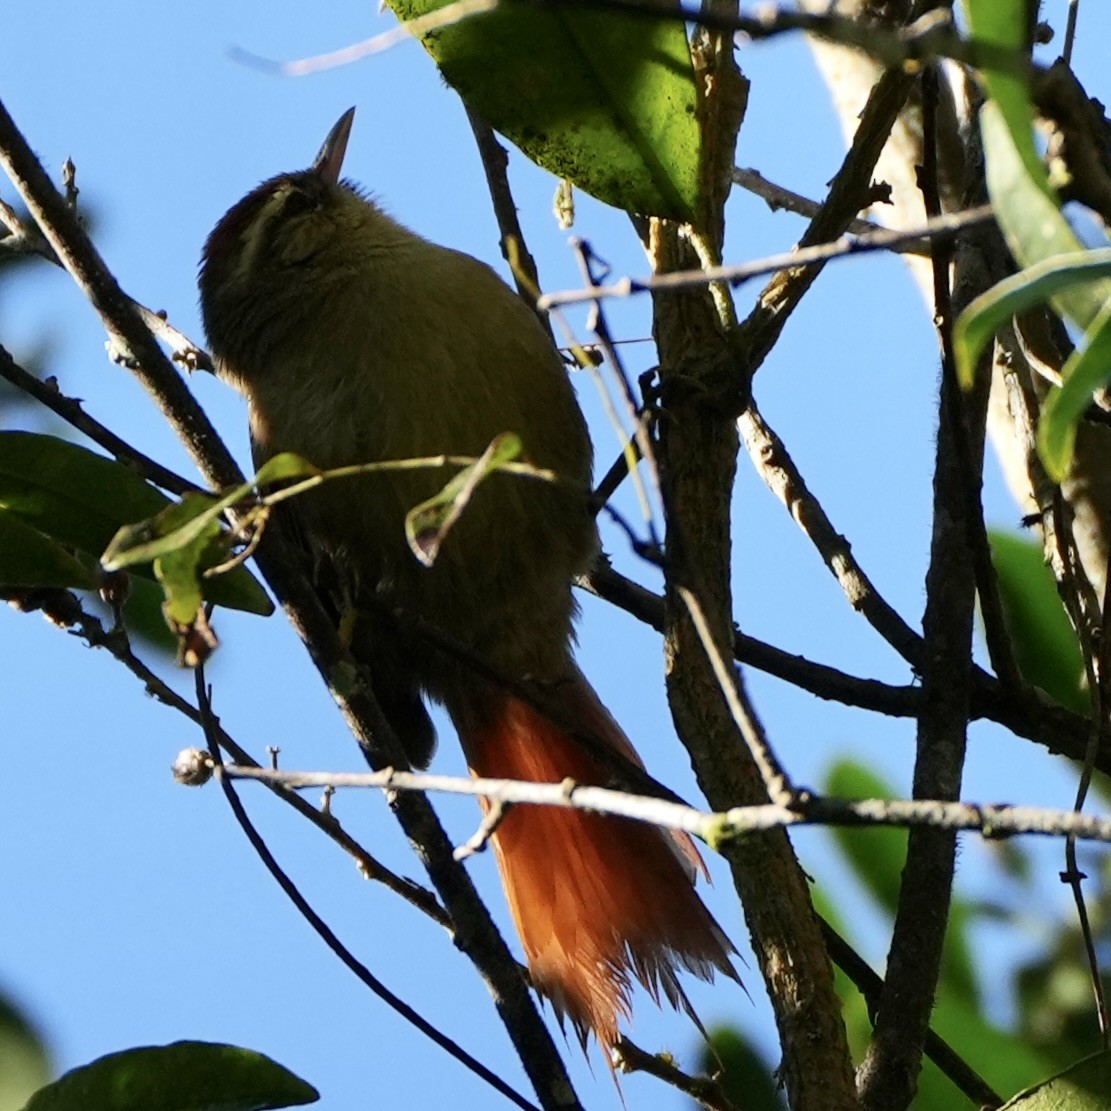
column 329, row 161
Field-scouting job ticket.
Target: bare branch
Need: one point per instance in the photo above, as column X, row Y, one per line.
column 716, row 828
column 801, row 258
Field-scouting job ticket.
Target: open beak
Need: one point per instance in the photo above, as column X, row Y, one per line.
column 329, row 161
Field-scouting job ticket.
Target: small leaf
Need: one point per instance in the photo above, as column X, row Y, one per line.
column 28, row 558
column 1031, row 219
column 283, row 467
column 177, row 526
column 427, row 525
column 1085, row 370
column 876, row 855
column 1086, row 1086
column 184, row 1076
column 1035, row 285
column 604, row 99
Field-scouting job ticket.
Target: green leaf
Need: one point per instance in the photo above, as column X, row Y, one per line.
column 745, row 1078
column 1030, row 216
column 25, row 1060
column 1003, row 23
column 81, row 499
column 28, row 558
column 1085, row 370
column 184, row 1076
column 1036, row 230
column 1046, row 648
column 876, row 855
column 1035, row 285
column 178, row 525
column 427, row 525
column 1084, row 1087
column 70, row 493
column 604, row 99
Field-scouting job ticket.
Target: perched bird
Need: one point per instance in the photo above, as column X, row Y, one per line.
column 355, row 340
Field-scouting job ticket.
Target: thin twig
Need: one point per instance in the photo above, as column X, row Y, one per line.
column 802, row 257
column 992, row 820
column 850, row 190
column 776, row 780
column 323, row 930
column 927, row 39
column 780, row 198
column 63, row 609
column 636, row 412
column 870, row 985
column 817, row 679
column 629, row 1057
column 70, row 410
column 1070, row 32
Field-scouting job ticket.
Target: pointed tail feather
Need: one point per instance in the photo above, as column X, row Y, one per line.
column 597, row 900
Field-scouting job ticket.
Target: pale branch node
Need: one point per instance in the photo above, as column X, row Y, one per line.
column 992, row 820
column 735, row 275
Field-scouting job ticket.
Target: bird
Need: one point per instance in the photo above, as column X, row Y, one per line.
column 356, row 340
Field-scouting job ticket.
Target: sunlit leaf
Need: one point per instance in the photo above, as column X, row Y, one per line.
column 428, row 524
column 1084, row 1087
column 1085, row 370
column 24, row 1059
column 603, row 98
column 1035, row 285
column 184, row 1076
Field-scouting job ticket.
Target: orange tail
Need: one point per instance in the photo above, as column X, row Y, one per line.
column 596, row 900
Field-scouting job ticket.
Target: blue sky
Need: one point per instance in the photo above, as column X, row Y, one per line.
column 135, row 912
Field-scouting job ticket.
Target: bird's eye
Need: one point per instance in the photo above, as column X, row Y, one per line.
column 298, row 203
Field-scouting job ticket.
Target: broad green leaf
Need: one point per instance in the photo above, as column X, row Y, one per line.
column 24, row 1059
column 81, row 499
column 70, row 493
column 745, row 1077
column 1084, row 1087
column 1030, row 216
column 1002, row 23
column 184, row 1076
column 1035, row 229
column 1029, row 212
column 427, row 525
column 28, row 558
column 1085, row 370
column 1045, row 644
column 603, row 98
column 876, row 855
column 1035, row 285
